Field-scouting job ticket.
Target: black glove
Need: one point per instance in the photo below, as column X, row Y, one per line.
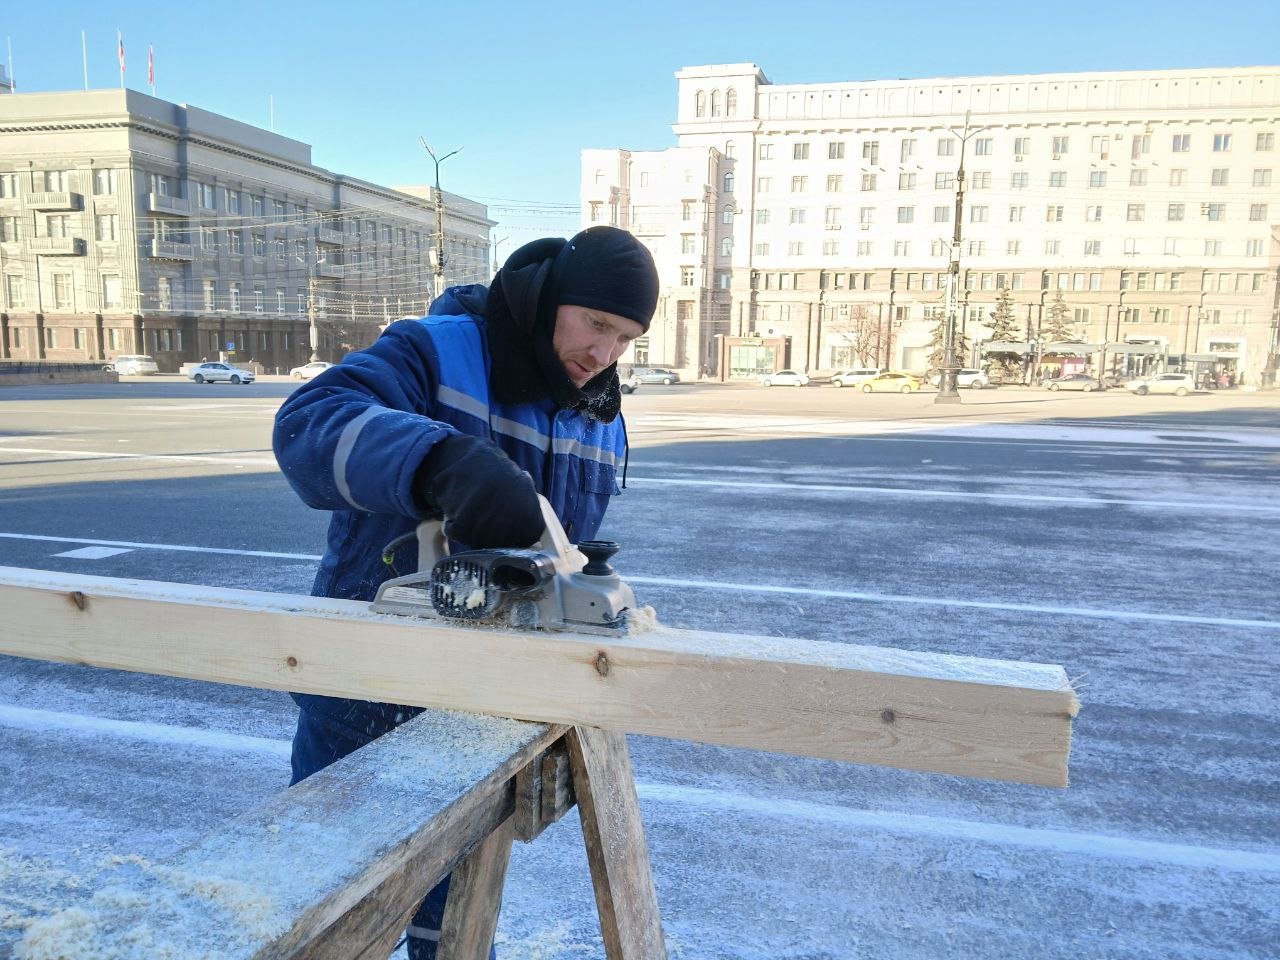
column 488, row 501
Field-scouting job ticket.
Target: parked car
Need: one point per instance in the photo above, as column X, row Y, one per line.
column 309, row 370
column 629, row 384
column 968, row 377
column 1179, row 384
column 1074, row 381
column 656, row 375
column 209, row 372
column 132, row 365
column 892, row 381
column 855, row 376
column 784, row 378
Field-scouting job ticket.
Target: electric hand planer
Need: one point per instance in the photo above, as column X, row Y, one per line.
column 553, row 585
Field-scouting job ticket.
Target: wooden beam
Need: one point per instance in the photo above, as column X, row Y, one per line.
column 947, row 714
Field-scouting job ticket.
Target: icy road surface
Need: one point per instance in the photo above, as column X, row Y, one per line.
column 1133, row 540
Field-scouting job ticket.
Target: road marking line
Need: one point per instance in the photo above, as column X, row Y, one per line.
column 800, row 487
column 43, row 721
column 1071, row 842
column 891, row 598
column 998, row 834
column 178, row 547
column 121, row 455
column 750, row 588
column 94, row 553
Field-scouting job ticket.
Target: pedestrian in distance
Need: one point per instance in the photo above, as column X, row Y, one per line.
column 498, row 394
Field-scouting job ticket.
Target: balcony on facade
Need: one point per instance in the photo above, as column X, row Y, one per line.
column 172, row 250
column 174, row 206
column 58, row 246
column 329, row 271
column 55, row 200
column 329, row 235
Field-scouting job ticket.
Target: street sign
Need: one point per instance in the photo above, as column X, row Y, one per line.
column 231, row 344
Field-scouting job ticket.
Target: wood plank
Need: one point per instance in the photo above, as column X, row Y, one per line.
column 920, row 711
column 324, row 870
column 616, row 850
column 475, row 894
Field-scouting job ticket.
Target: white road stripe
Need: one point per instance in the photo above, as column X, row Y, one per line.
column 753, row 588
column 44, row 721
column 1070, row 842
column 998, row 834
column 800, row 487
column 181, row 548
column 93, row 553
column 1097, row 613
column 160, row 457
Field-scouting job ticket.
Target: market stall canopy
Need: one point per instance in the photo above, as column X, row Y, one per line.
column 1070, row 348
column 1006, row 346
column 1139, row 349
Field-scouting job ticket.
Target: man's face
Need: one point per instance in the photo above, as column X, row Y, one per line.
column 587, row 340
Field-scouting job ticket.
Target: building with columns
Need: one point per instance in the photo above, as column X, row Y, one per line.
column 810, row 225
column 130, row 225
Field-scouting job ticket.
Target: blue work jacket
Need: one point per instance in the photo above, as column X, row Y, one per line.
column 352, row 439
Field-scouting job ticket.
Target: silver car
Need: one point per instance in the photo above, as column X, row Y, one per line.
column 1178, row 384
column 1075, row 381
column 132, row 365
column 213, row 371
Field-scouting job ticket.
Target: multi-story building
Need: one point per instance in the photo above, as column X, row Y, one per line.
column 811, row 225
column 130, row 224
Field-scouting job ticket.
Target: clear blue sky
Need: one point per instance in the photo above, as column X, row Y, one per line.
column 523, row 87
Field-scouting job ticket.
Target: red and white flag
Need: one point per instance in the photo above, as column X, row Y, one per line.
column 120, row 42
column 151, row 65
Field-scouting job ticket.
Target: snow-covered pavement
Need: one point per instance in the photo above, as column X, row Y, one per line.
column 1137, row 547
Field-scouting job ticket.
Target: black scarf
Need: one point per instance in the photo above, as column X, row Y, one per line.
column 519, row 374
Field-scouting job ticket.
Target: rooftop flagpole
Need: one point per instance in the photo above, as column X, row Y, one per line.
column 120, row 43
column 84, row 53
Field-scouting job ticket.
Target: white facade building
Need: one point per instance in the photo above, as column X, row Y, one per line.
column 825, row 216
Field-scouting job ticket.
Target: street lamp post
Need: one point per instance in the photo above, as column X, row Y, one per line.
column 439, row 264
column 947, row 392
column 311, row 306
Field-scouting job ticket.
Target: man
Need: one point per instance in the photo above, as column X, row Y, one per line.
column 497, row 395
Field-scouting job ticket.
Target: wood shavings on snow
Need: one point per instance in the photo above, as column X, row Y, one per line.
column 172, row 900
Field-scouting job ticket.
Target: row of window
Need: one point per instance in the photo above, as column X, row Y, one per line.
column 162, row 340
column 971, row 280
column 1132, row 246
column 234, row 202
column 981, row 213
column 1102, row 146
column 1018, row 180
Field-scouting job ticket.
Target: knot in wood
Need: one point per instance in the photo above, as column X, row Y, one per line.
column 887, row 715
column 602, row 663
column 291, row 661
column 79, row 599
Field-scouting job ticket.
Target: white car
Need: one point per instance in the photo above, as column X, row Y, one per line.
column 856, row 376
column 784, row 378
column 309, row 370
column 210, row 372
column 132, row 365
column 1179, row 384
column 968, row 377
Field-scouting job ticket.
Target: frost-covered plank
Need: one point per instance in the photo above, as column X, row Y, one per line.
column 948, row 714
column 320, row 871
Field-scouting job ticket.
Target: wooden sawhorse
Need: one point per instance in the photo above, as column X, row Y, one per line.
column 335, row 866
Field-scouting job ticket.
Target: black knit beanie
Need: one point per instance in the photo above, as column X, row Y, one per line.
column 604, row 268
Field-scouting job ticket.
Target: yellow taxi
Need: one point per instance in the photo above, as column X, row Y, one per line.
column 892, row 381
